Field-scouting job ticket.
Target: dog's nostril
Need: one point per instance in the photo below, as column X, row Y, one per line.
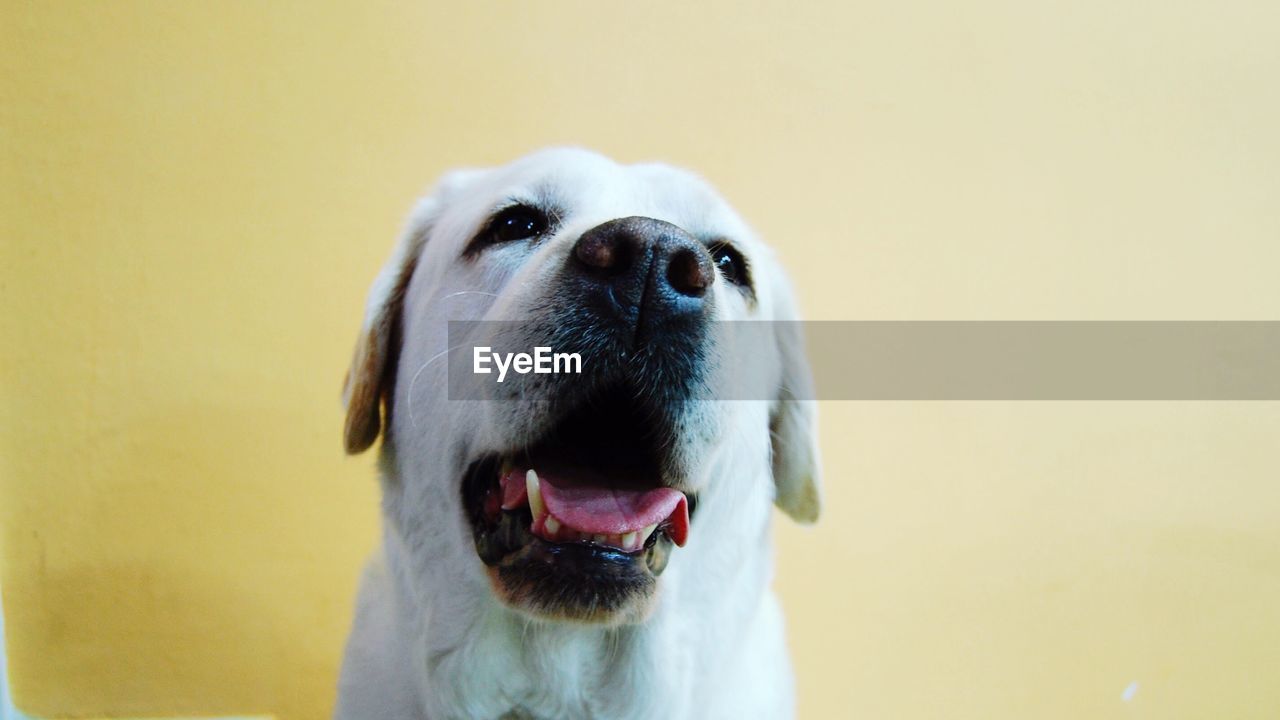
column 599, row 250
column 690, row 272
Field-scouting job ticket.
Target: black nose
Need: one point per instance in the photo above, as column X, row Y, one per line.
column 652, row 270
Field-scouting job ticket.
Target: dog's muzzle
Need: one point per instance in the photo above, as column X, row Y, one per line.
column 580, row 522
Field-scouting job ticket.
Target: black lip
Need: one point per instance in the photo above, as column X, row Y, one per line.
column 578, row 581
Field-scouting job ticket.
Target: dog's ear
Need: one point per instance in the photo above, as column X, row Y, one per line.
column 370, row 377
column 793, row 421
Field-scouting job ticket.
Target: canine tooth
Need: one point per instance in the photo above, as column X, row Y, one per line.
column 629, row 540
column 551, row 525
column 646, row 532
column 535, row 494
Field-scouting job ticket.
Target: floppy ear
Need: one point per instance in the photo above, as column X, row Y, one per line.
column 370, row 377
column 793, row 421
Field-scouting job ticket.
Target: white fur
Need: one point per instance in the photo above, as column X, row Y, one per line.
column 430, row 639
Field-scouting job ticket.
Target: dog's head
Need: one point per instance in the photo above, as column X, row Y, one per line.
column 568, row 492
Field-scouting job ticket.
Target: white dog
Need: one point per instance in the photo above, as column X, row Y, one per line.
column 589, row 544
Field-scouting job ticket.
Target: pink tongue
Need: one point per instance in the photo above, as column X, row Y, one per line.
column 598, row 510
column 609, row 511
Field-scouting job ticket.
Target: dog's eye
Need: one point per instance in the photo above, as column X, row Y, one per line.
column 730, row 263
column 517, row 222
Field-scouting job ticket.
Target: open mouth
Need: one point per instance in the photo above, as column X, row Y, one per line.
column 573, row 509
column 580, row 522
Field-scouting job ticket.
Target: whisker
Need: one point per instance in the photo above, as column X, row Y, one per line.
column 412, row 420
column 467, row 292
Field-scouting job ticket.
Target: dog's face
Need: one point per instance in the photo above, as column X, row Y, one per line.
column 572, row 492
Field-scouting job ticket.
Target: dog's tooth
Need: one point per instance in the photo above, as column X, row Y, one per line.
column 534, row 491
column 628, row 541
column 551, row 525
column 646, row 532
column 601, row 539
column 507, row 467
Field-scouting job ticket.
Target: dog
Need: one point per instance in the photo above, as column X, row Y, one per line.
column 590, row 544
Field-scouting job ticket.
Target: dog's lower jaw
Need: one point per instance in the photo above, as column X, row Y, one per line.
column 634, row 611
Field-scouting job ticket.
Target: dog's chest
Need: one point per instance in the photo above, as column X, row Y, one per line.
column 544, row 672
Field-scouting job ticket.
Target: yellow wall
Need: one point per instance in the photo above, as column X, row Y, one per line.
column 196, row 195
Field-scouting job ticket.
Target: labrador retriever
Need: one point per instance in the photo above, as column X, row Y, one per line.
column 586, row 541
